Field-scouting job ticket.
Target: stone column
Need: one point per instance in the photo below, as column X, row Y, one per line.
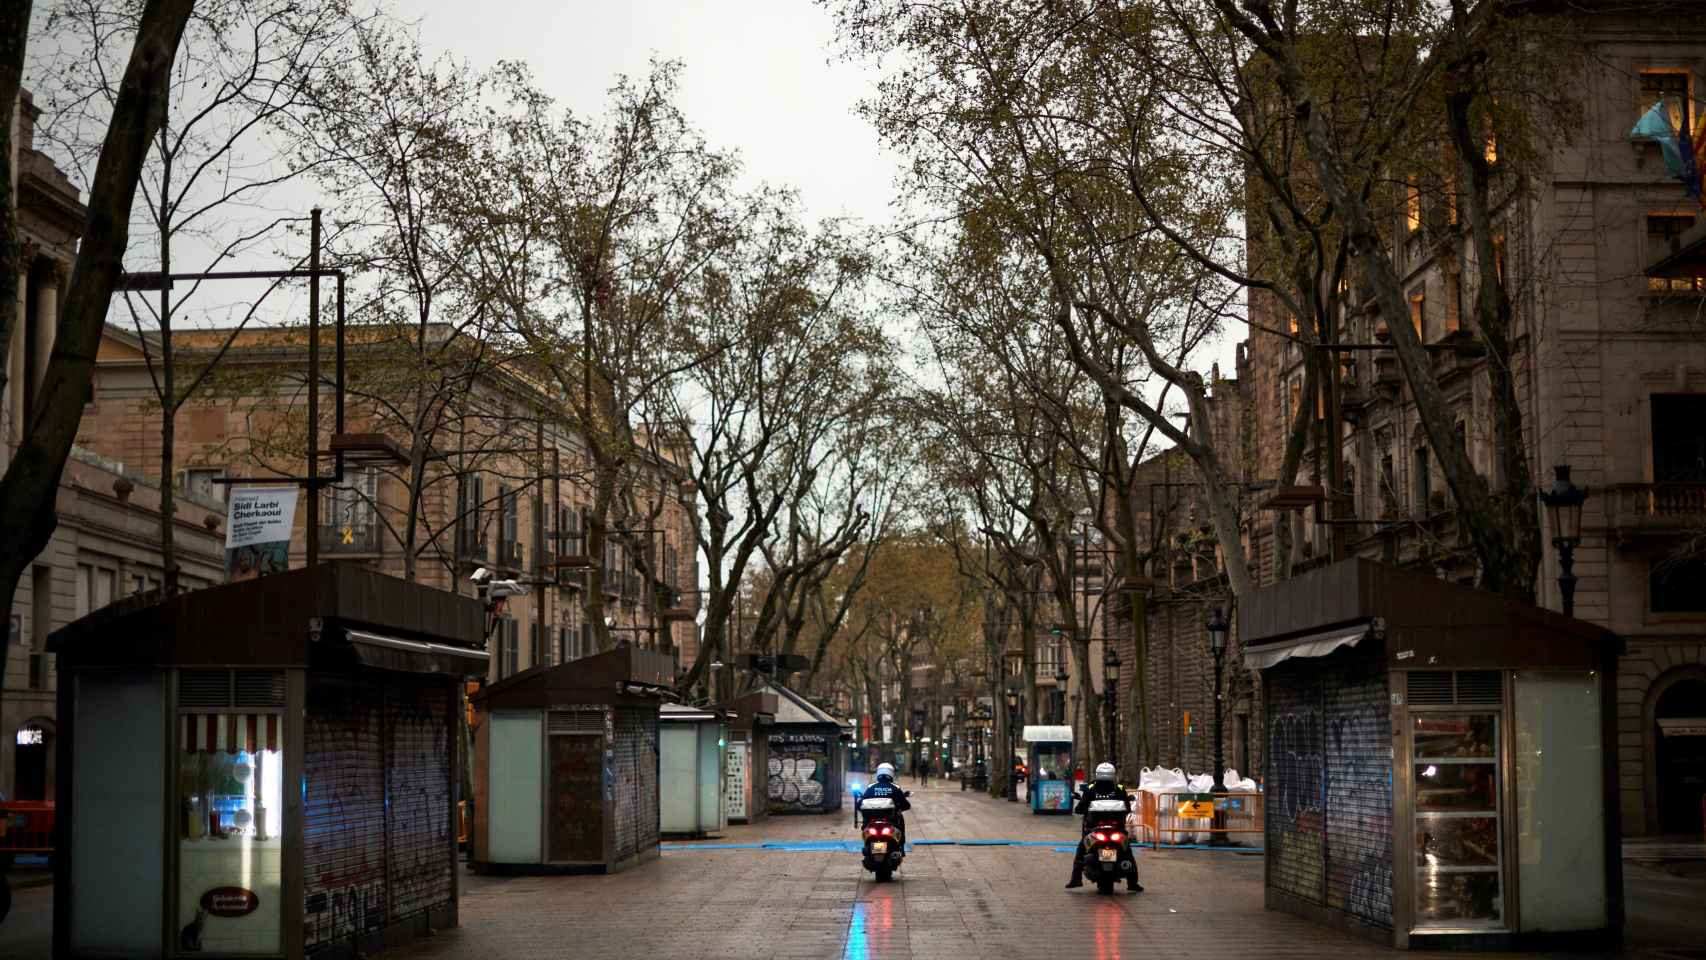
column 13, row 401
column 47, row 321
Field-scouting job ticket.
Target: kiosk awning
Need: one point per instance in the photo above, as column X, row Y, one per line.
column 415, row 656
column 1310, row 645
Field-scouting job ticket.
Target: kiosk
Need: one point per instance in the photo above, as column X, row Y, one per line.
column 266, row 768
column 804, row 765
column 1442, row 761
column 690, row 787
column 566, row 764
column 1048, row 757
column 746, row 796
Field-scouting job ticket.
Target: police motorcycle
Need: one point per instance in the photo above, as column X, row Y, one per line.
column 1106, row 849
column 884, row 831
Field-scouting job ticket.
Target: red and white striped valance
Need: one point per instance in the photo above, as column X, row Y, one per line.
column 228, row 732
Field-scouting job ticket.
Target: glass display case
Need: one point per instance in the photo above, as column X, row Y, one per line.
column 230, row 815
column 1458, row 825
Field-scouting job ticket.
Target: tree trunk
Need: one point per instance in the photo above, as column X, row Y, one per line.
column 1493, row 314
column 31, row 482
column 1488, row 532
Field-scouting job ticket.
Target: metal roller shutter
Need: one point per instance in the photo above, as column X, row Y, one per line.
column 343, row 811
column 417, row 722
column 636, row 812
column 1296, row 822
column 1359, row 791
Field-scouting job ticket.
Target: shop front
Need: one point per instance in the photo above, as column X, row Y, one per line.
column 189, row 719
column 1442, row 766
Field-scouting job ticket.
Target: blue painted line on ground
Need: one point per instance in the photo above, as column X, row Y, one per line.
column 854, row 846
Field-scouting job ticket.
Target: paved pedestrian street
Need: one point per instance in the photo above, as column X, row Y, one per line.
column 780, row 890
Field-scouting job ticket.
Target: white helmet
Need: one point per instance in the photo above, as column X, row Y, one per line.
column 1105, row 772
column 885, row 770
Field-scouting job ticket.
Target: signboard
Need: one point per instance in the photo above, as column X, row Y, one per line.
column 31, row 737
column 1197, row 806
column 257, row 531
column 736, row 785
column 1053, row 795
column 230, row 901
column 1683, row 727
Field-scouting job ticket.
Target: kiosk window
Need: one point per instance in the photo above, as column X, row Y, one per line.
column 1457, row 819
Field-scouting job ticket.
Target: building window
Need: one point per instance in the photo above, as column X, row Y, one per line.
column 1422, row 481
column 1453, row 302
column 348, row 519
column 1499, row 270
column 1679, row 437
column 1388, row 482
column 1418, row 315
column 96, row 586
column 1664, row 231
column 1677, row 585
column 1669, row 87
column 198, row 483
column 1412, row 203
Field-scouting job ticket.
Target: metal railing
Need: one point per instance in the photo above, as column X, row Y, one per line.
column 362, row 538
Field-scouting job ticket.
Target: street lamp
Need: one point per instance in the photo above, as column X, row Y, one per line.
column 1061, row 678
column 1563, row 501
column 1110, row 698
column 1217, row 628
column 1012, row 737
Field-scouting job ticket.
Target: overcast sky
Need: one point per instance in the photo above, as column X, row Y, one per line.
column 757, row 79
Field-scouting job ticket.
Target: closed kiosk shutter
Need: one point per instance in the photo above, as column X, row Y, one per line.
column 343, row 811
column 1296, row 822
column 417, row 721
column 636, row 786
column 1359, row 791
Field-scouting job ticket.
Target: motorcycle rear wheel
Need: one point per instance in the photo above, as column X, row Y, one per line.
column 1105, row 887
column 884, row 874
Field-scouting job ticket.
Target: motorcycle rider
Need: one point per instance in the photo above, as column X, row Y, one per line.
column 886, row 787
column 1102, row 788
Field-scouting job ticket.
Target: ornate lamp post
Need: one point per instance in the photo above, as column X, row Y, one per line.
column 1563, row 501
column 1111, row 698
column 1012, row 737
column 1061, row 678
column 1217, row 628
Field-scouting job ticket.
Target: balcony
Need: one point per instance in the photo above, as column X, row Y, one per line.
column 366, row 538
column 1653, row 511
column 512, row 554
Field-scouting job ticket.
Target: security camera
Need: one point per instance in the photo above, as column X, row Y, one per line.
column 499, row 589
column 480, row 576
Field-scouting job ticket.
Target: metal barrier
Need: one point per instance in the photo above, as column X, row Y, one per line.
column 26, row 826
column 1162, row 816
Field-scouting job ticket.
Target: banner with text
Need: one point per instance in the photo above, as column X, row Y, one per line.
column 257, row 531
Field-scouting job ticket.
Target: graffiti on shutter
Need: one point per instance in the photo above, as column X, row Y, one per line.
column 343, row 815
column 636, row 785
column 1359, row 791
column 417, row 720
column 1295, row 820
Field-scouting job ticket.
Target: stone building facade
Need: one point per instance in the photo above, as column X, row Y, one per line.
column 489, row 500
column 1604, row 256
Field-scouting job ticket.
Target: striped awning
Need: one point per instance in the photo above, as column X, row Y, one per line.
column 228, row 732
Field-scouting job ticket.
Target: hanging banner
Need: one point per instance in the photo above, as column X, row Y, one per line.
column 257, row 531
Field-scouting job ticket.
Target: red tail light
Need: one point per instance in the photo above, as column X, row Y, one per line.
column 873, row 832
column 1101, row 836
column 888, row 831
column 1115, row 837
